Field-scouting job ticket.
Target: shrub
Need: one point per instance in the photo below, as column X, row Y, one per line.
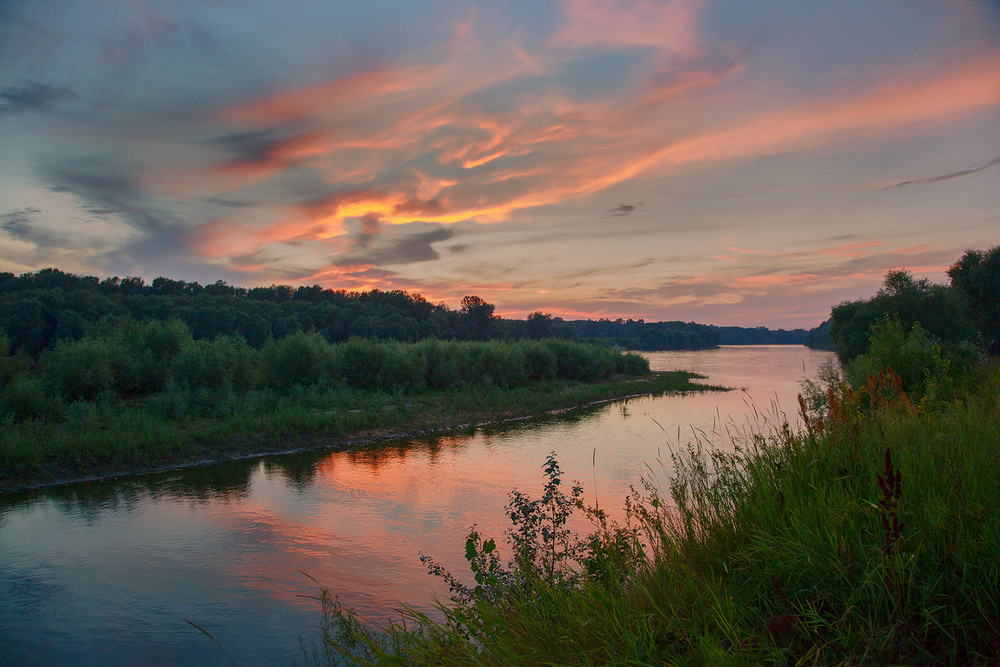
column 299, row 359
column 447, row 363
column 582, row 362
column 11, row 367
column 924, row 366
column 403, row 368
column 224, row 363
column 540, row 361
column 361, row 362
column 501, row 364
column 83, row 369
column 25, row 399
column 631, row 364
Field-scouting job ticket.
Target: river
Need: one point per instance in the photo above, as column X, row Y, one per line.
column 110, row 572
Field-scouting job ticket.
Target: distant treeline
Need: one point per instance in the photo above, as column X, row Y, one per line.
column 37, row 309
column 642, row 335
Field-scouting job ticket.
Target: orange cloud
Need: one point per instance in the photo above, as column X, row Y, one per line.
column 469, row 157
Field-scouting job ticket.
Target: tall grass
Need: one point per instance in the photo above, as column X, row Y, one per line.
column 872, row 537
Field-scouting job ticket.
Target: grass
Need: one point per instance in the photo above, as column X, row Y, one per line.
column 112, row 437
column 872, row 537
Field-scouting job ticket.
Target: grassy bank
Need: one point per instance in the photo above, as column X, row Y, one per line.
column 873, row 537
column 101, row 438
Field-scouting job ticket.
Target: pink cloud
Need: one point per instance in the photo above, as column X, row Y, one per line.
column 667, row 26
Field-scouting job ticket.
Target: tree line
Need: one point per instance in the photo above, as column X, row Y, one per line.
column 38, row 309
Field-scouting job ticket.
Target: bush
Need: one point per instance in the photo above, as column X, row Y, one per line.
column 361, row 362
column 299, row 359
column 403, row 368
column 925, row 366
column 224, row 363
column 25, row 399
column 11, row 367
column 448, row 364
column 83, row 369
column 501, row 364
column 540, row 361
column 582, row 362
column 632, row 364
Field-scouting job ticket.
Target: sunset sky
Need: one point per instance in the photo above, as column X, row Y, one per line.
column 726, row 162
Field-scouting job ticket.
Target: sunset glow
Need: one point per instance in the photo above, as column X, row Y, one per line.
column 671, row 160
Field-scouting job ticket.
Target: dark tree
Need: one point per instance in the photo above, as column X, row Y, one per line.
column 977, row 276
column 478, row 317
column 539, row 325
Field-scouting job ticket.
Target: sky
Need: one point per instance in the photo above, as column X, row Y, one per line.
column 715, row 161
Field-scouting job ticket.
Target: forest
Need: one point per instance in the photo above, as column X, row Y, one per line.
column 37, row 309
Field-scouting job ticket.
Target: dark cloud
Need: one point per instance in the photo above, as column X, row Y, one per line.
column 406, row 249
column 33, row 96
column 103, row 211
column 18, row 223
column 259, row 146
column 947, row 177
column 625, row 209
column 369, row 229
column 103, row 190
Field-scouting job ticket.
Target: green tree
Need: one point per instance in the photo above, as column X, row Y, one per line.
column 941, row 310
column 478, row 317
column 977, row 276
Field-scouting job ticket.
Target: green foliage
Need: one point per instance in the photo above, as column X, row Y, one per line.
column 25, row 399
column 631, row 364
column 402, row 369
column 543, row 549
column 582, row 362
column 940, row 310
column 911, row 354
column 299, row 359
column 540, row 361
column 500, row 364
column 819, row 338
column 977, row 275
column 477, row 317
column 224, row 363
column 446, row 364
column 361, row 360
column 83, row 369
column 11, row 367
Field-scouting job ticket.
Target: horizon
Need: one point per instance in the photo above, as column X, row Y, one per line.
column 517, row 316
column 682, row 160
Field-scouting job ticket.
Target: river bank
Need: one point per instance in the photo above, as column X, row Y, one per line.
column 126, row 438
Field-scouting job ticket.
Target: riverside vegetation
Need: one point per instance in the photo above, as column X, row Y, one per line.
column 870, row 536
column 137, row 395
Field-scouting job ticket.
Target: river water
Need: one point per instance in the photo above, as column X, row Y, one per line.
column 115, row 572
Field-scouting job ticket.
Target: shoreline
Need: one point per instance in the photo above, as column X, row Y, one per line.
column 257, row 444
